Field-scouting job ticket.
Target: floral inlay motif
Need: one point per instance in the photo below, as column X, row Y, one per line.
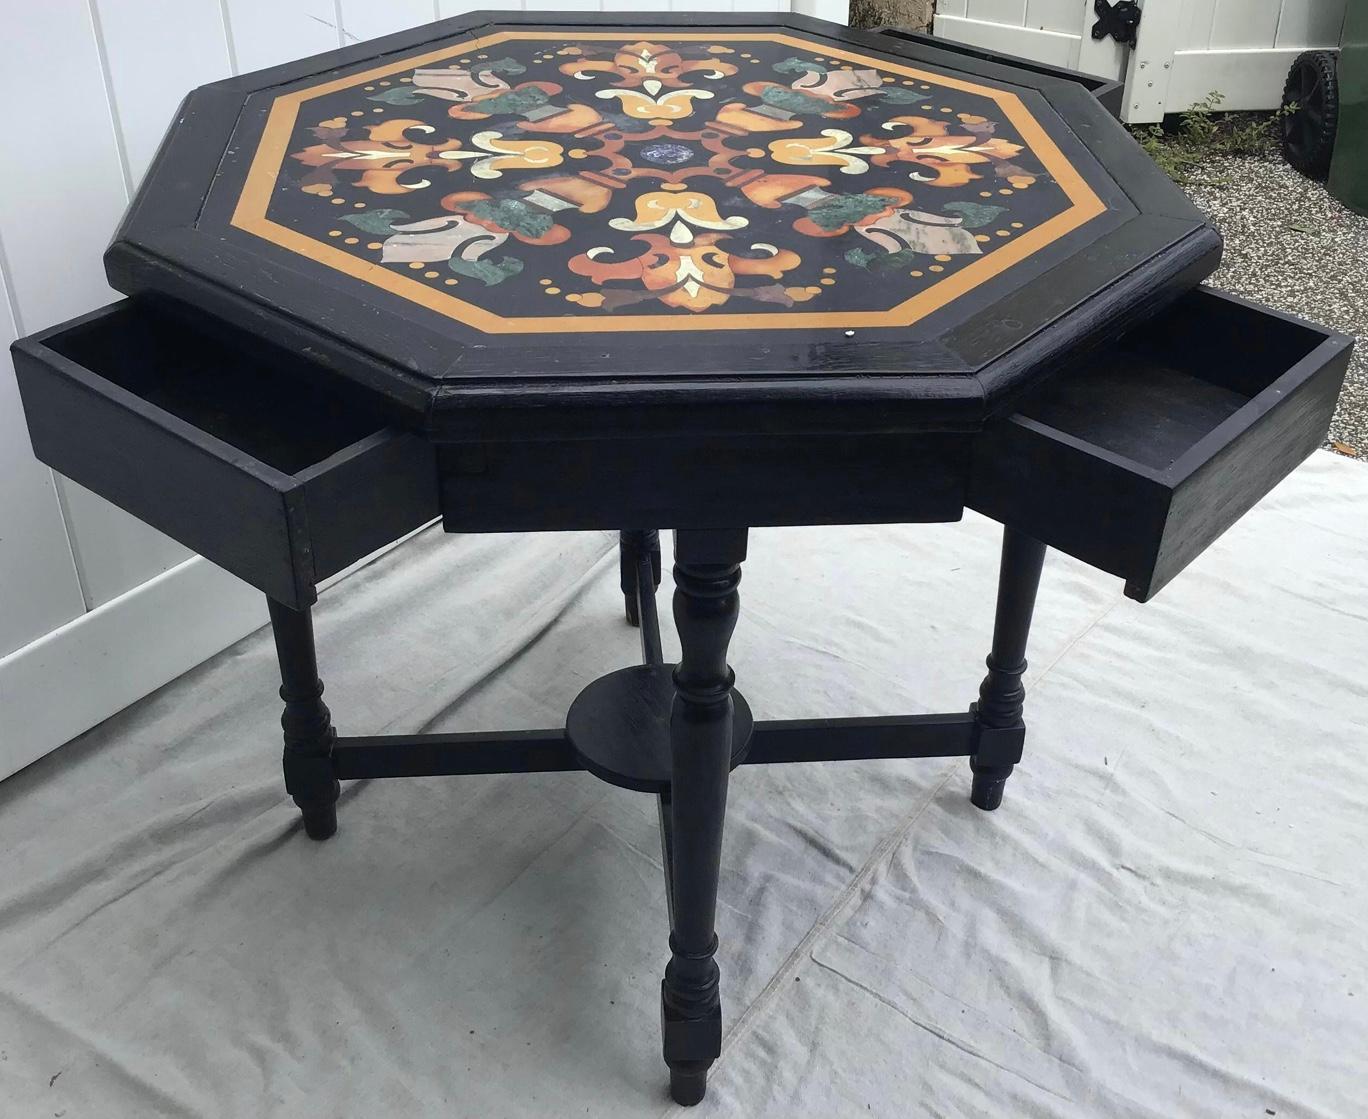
column 694, row 178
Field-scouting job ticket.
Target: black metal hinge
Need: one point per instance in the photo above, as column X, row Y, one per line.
column 1120, row 20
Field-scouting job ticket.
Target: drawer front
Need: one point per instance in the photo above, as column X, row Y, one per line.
column 1141, row 458
column 280, row 525
column 712, row 482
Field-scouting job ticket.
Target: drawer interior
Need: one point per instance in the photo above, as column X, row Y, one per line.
column 1139, row 456
column 1155, row 395
column 242, row 451
column 253, row 396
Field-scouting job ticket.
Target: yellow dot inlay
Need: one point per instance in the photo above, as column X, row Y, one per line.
column 431, row 275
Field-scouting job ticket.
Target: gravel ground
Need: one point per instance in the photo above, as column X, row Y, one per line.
column 1290, row 245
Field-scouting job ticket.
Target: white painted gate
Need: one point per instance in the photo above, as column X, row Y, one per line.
column 1186, row 49
column 96, row 609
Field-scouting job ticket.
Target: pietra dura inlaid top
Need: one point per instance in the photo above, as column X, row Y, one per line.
column 473, row 202
column 514, row 182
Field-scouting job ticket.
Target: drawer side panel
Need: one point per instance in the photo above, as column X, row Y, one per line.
column 131, row 456
column 1082, row 502
column 1282, row 427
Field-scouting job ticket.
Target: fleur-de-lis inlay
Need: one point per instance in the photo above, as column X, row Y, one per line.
column 833, row 149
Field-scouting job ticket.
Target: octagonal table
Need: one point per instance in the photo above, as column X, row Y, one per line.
column 642, row 271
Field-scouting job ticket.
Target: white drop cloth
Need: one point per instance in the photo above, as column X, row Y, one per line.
column 1166, row 918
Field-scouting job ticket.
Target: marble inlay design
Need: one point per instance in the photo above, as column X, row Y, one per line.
column 573, row 181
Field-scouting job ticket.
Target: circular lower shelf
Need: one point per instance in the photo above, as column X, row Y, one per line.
column 620, row 727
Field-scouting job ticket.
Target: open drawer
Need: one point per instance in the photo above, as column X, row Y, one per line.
column 1139, row 458
column 226, row 445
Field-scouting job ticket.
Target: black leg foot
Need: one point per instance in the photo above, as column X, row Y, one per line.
column 707, row 571
column 309, row 734
column 989, row 781
column 688, row 1086
column 632, row 544
column 1002, row 697
column 320, row 821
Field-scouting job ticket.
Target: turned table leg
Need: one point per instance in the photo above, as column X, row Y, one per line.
column 1002, row 697
column 309, row 734
column 707, row 571
column 633, row 543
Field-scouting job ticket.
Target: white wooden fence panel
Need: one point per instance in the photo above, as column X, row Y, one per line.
column 1011, row 12
column 1054, row 47
column 1243, row 23
column 1201, row 15
column 56, row 216
column 186, row 38
column 39, row 587
column 268, row 32
column 1310, row 23
column 838, row 11
column 1186, row 50
column 364, row 19
column 448, row 8
column 1052, row 31
column 1054, row 15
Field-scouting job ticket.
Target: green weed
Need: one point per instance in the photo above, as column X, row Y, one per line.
column 1202, row 133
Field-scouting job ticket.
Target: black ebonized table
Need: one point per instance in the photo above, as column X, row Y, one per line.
column 706, row 273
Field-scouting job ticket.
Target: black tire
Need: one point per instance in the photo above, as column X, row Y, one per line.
column 1308, row 129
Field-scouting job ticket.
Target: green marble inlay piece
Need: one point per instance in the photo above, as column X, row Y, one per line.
column 488, row 271
column 846, row 209
column 512, row 214
column 376, row 221
column 975, row 216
